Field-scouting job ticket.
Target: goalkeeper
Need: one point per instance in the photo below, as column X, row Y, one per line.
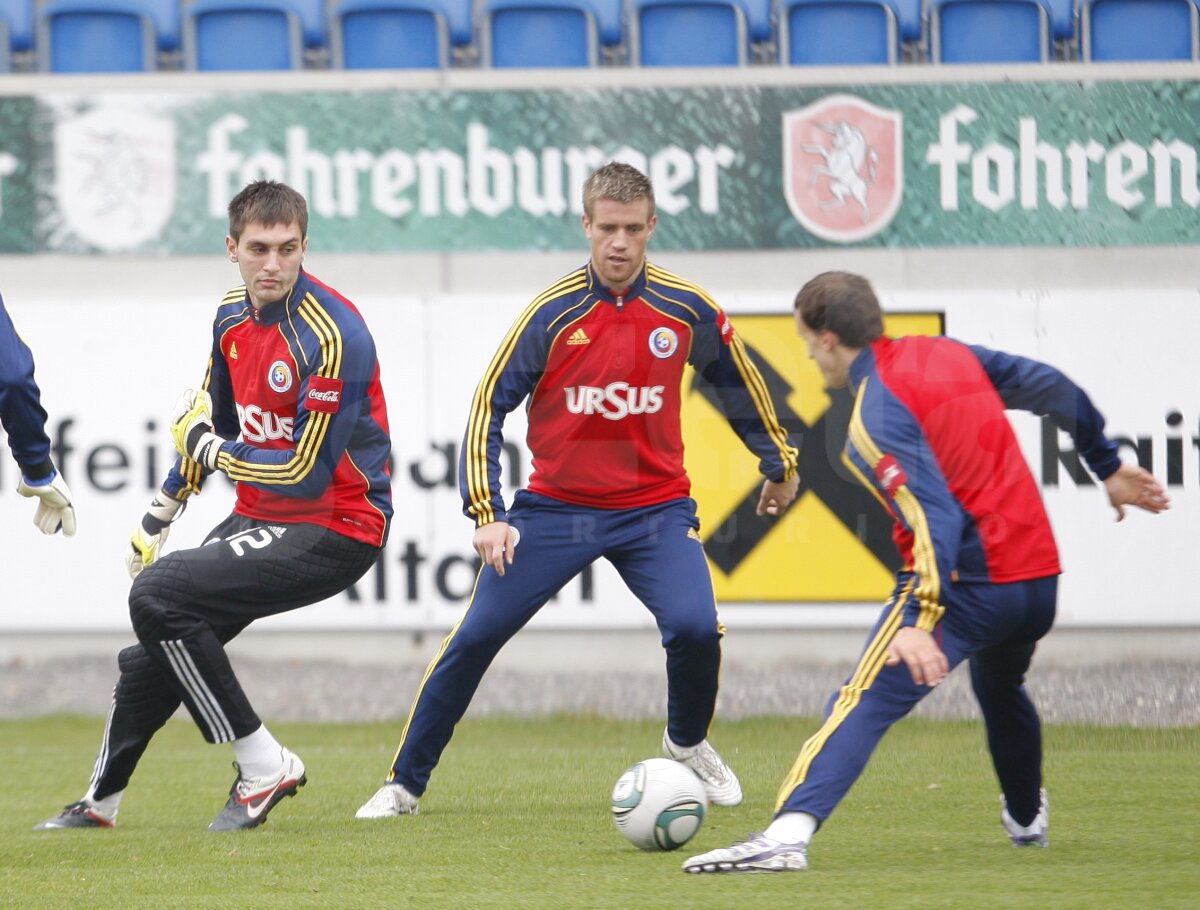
column 293, row 373
column 24, row 421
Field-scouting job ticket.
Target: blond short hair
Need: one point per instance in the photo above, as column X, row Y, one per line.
column 619, row 182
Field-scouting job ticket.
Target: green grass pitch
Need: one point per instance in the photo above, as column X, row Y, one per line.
column 517, row 817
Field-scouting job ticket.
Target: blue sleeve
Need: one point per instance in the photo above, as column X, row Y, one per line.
column 21, row 410
column 720, row 357
column 511, row 376
column 900, row 466
column 1029, row 385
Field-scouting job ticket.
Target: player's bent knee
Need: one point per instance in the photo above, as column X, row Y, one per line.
column 146, row 610
column 694, row 638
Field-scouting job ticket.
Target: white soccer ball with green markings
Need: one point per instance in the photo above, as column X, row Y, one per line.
column 659, row 804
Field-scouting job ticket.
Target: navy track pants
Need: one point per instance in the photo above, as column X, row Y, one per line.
column 995, row 627
column 658, row 554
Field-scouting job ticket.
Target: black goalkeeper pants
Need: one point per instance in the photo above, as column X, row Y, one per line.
column 188, row 604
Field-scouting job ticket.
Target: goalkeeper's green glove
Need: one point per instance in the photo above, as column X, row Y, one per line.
column 192, row 429
column 151, row 533
column 55, row 509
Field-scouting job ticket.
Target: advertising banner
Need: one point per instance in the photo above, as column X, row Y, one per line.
column 111, row 368
column 745, row 167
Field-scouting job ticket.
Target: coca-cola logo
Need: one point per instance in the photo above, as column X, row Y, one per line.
column 324, row 395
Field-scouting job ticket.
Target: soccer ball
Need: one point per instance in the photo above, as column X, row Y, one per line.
column 658, row 804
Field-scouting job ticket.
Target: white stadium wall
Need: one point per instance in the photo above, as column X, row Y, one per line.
column 118, row 336
column 110, row 366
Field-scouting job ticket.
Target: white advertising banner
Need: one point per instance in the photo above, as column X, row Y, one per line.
column 111, row 366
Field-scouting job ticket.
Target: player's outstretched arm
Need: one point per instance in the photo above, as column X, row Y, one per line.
column 1131, row 485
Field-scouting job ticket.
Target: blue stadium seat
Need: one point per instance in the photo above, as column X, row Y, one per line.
column 242, row 35
column 836, row 32
column 988, row 31
column 96, row 36
column 911, row 17
column 313, row 21
column 760, row 20
column 19, row 18
column 1062, row 19
column 538, row 33
column 610, row 21
column 687, row 33
column 1141, row 30
column 389, row 34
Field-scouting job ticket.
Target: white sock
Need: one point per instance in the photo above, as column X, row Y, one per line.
column 792, row 828
column 259, row 754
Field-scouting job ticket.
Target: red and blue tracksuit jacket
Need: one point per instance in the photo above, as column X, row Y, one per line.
column 602, row 374
column 929, row 436
column 295, row 388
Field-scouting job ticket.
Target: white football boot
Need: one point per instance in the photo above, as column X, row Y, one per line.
column 721, row 785
column 1033, row 835
column 389, row 800
column 758, row 854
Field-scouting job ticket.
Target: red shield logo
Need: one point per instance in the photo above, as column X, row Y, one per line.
column 843, row 167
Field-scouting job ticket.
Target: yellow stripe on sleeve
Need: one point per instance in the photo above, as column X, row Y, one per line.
column 476, row 453
column 309, row 445
column 751, row 377
column 929, row 592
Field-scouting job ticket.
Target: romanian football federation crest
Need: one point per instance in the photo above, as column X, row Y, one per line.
column 843, row 167
column 280, row 376
column 663, row 342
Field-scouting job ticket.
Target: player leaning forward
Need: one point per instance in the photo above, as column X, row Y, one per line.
column 599, row 356
column 313, row 509
column 929, row 436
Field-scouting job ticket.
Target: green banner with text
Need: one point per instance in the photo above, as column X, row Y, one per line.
column 748, row 167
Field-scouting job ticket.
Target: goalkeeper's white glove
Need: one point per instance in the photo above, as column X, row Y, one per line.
column 151, row 533
column 55, row 509
column 192, row 429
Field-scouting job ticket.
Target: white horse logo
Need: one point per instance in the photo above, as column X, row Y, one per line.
column 844, row 165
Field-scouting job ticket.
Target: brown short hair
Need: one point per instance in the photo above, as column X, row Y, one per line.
column 619, row 182
column 844, row 304
column 267, row 202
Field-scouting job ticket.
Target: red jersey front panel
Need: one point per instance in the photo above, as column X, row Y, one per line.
column 604, row 419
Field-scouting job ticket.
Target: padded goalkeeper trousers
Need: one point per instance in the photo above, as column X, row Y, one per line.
column 658, row 554
column 188, row 604
column 995, row 627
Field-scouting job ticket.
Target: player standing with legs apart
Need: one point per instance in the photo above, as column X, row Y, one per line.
column 294, row 373
column 929, row 436
column 24, row 420
column 599, row 355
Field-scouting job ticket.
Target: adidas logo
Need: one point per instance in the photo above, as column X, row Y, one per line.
column 277, row 531
column 233, row 351
column 579, row 336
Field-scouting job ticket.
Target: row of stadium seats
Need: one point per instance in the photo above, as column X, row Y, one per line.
column 134, row 35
